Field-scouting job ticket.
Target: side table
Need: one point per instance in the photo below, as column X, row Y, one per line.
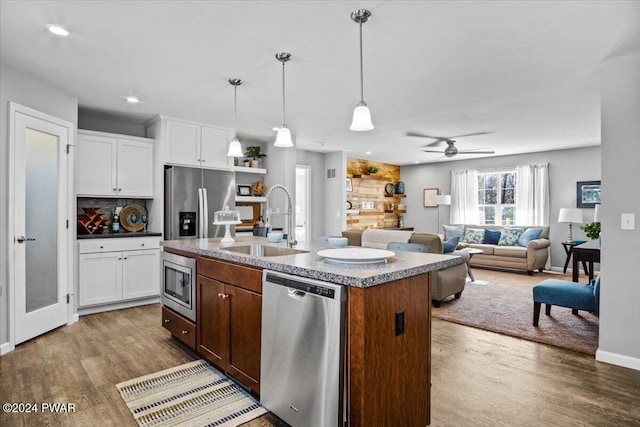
column 568, row 246
column 471, row 252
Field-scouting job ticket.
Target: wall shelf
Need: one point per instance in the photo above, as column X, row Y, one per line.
column 395, row 211
column 353, row 211
column 253, row 199
column 258, row 171
column 395, row 195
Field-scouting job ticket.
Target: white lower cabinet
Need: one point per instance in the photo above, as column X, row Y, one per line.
column 118, row 269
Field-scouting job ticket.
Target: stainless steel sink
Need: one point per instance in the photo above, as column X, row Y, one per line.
column 264, row 250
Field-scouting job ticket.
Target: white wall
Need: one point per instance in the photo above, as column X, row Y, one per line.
column 316, row 198
column 91, row 120
column 620, row 295
column 335, row 194
column 566, row 167
column 17, row 86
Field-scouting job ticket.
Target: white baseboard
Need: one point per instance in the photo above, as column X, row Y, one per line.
column 618, row 359
column 82, row 311
column 6, row 348
column 74, row 319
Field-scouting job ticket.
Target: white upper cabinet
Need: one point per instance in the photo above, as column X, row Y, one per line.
column 110, row 165
column 188, row 143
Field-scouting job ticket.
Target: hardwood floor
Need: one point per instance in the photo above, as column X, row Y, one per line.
column 479, row 378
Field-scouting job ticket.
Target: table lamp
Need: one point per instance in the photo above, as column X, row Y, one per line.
column 572, row 216
column 441, row 199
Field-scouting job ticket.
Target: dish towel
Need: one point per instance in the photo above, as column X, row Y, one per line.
column 372, row 238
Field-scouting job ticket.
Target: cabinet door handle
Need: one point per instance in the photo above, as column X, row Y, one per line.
column 167, row 320
column 101, row 247
column 119, row 189
column 185, row 332
column 119, row 259
column 125, row 257
column 115, row 190
column 223, row 296
column 142, row 244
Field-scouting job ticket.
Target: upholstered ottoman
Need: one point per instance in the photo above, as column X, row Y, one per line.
column 576, row 296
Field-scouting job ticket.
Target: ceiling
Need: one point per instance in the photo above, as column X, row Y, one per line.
column 526, row 73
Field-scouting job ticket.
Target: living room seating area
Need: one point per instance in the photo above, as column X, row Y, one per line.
column 524, row 248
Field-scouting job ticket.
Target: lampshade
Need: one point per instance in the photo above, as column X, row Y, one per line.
column 570, row 215
column 361, row 118
column 235, row 150
column 283, row 138
column 596, row 214
column 442, row 199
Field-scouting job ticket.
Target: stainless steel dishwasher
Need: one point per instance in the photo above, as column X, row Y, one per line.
column 303, row 342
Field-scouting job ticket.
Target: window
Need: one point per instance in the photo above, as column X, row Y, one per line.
column 497, row 197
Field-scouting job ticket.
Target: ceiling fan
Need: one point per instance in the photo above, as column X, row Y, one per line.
column 451, row 149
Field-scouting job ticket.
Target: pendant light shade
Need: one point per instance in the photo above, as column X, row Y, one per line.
column 361, row 114
column 361, row 118
column 235, row 150
column 283, row 137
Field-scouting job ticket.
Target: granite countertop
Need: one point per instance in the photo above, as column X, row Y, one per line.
column 118, row 235
column 309, row 264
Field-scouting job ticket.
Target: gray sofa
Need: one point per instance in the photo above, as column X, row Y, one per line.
column 530, row 258
column 444, row 283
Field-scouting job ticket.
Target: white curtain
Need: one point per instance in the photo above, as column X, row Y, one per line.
column 464, row 197
column 532, row 195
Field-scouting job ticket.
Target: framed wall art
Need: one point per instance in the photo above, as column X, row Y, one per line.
column 244, row 190
column 429, row 197
column 349, row 185
column 587, row 194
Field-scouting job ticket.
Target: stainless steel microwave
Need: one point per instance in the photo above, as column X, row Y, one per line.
column 178, row 284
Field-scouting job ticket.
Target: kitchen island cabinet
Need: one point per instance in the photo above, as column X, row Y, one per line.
column 388, row 342
column 229, row 311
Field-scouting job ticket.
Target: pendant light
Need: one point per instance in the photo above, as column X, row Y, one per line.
column 234, row 146
column 361, row 114
column 283, row 138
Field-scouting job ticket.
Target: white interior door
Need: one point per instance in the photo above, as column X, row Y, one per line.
column 39, row 205
column 303, row 187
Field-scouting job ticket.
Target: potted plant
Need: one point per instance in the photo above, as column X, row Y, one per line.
column 372, row 170
column 592, row 230
column 253, row 152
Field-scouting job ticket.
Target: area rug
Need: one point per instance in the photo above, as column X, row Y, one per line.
column 194, row 394
column 503, row 302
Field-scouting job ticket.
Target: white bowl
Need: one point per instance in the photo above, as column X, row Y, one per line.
column 337, row 242
column 274, row 236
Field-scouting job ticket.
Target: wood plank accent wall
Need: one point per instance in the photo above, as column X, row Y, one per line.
column 370, row 188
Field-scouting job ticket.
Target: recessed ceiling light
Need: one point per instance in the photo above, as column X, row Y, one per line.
column 132, row 99
column 368, row 153
column 58, row 30
column 416, row 161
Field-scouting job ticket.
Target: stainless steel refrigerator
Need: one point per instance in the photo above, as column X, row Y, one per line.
column 191, row 196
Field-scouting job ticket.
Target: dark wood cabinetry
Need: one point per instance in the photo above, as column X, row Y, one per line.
column 229, row 317
column 179, row 327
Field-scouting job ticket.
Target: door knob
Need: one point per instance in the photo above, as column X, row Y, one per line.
column 21, row 239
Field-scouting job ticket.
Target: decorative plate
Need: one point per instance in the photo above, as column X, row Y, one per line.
column 349, row 205
column 355, row 255
column 131, row 217
column 389, row 189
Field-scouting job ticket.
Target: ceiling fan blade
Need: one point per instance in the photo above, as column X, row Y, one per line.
column 438, row 139
column 477, row 151
column 470, row 134
column 432, row 151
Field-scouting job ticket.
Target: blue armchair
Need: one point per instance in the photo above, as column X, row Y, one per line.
column 576, row 296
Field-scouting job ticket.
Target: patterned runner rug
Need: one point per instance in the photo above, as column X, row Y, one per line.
column 194, row 394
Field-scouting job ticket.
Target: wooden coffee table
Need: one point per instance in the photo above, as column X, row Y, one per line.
column 472, row 252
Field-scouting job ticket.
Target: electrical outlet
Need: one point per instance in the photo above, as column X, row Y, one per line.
column 399, row 322
column 628, row 221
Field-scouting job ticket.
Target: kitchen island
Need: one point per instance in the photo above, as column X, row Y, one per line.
column 388, row 372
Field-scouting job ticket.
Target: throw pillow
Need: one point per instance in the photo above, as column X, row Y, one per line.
column 510, row 236
column 491, row 237
column 451, row 231
column 529, row 235
column 450, row 245
column 474, row 235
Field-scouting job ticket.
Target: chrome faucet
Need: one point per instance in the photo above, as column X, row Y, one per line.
column 291, row 237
